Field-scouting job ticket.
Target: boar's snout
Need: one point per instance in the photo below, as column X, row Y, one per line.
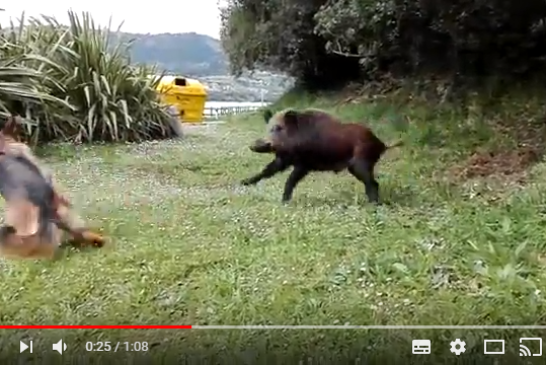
column 261, row 146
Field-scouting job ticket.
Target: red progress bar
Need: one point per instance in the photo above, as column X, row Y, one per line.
column 92, row 327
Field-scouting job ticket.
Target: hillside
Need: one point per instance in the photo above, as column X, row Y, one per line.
column 182, row 53
column 248, row 87
column 200, row 56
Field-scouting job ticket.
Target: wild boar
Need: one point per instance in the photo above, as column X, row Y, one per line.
column 314, row 140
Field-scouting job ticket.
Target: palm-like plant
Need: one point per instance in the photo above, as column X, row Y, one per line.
column 19, row 84
column 79, row 68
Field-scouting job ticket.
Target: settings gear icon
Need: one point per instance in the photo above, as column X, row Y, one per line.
column 458, row 346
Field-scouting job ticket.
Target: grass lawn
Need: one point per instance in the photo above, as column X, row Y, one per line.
column 189, row 245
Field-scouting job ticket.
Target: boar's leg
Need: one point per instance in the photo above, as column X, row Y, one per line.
column 363, row 171
column 293, row 179
column 272, row 168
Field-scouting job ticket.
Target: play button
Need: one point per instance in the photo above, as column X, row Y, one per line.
column 23, row 346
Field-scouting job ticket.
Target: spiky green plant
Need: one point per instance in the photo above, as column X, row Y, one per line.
column 20, row 84
column 112, row 99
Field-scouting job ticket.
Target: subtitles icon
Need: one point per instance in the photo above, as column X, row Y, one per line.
column 493, row 348
column 525, row 351
column 420, row 347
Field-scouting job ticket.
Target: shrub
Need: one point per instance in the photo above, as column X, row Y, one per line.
column 319, row 42
column 110, row 99
column 19, row 84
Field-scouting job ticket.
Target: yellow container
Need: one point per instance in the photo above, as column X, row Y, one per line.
column 187, row 95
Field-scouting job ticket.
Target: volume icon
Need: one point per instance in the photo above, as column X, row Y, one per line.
column 23, row 347
column 59, row 347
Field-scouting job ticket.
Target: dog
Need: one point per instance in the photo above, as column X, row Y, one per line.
column 314, row 140
column 31, row 221
column 32, row 192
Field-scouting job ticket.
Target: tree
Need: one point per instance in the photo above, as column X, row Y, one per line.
column 320, row 41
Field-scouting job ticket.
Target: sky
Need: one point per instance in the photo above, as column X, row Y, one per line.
column 199, row 16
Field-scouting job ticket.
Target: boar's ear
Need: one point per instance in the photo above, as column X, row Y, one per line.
column 268, row 114
column 291, row 118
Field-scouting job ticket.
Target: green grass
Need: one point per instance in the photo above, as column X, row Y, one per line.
column 189, row 245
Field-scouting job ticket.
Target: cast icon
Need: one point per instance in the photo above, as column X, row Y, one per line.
column 525, row 351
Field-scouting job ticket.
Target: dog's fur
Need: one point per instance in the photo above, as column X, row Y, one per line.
column 34, row 200
column 30, row 227
column 314, row 140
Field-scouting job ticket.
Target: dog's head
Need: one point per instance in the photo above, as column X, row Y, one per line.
column 28, row 194
column 23, row 216
column 31, row 202
column 17, row 183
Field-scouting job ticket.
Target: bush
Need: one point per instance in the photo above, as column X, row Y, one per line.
column 105, row 98
column 466, row 42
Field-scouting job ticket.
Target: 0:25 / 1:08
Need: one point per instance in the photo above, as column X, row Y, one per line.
column 108, row 346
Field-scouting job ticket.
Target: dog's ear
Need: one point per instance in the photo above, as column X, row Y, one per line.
column 12, row 127
column 291, row 118
column 268, row 114
column 3, row 144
